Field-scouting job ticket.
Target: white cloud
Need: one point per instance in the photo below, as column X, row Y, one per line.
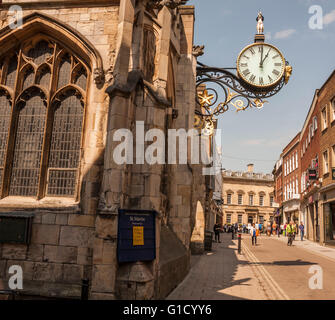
column 329, row 17
column 284, row 33
column 268, row 36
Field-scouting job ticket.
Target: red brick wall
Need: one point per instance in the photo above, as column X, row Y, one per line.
column 327, row 137
column 313, row 148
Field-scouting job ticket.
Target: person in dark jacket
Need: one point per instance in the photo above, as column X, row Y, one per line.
column 217, row 230
column 302, row 231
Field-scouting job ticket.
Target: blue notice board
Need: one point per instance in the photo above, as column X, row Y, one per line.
column 136, row 235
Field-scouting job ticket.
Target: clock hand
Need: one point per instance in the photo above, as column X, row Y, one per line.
column 261, row 62
column 266, row 56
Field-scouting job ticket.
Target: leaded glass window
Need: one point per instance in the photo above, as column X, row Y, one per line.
column 42, row 99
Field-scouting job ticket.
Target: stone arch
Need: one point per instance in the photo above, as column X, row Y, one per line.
column 198, row 234
column 53, row 28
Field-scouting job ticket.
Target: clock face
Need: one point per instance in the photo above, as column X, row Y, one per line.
column 261, row 65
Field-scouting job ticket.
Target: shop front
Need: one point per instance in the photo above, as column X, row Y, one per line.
column 291, row 211
column 328, row 208
column 330, row 221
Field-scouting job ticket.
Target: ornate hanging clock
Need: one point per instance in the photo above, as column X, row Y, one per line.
column 261, row 65
column 261, row 72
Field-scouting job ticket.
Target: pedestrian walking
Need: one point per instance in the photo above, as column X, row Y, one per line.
column 269, row 229
column 290, row 231
column 278, row 231
column 217, row 229
column 274, row 228
column 302, row 231
column 285, row 226
column 253, row 233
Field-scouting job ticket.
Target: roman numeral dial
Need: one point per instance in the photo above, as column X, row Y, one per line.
column 261, row 65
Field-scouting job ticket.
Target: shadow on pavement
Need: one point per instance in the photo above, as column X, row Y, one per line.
column 298, row 262
column 212, row 273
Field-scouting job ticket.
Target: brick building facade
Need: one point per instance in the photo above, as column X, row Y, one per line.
column 326, row 108
column 317, row 166
column 310, row 155
column 291, row 180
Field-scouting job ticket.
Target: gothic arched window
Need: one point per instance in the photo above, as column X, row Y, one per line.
column 42, row 101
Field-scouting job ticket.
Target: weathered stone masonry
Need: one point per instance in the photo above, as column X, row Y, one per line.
column 141, row 68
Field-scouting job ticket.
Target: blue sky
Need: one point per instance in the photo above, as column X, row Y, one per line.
column 227, row 26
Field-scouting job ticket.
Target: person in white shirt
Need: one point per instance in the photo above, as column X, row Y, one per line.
column 253, row 233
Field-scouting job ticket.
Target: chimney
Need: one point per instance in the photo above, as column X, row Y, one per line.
column 250, row 167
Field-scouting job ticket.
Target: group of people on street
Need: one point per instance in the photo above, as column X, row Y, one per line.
column 291, row 230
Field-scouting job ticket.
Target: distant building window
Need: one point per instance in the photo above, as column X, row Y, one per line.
column 229, row 198
column 315, row 120
column 324, row 118
column 251, row 199
column 290, row 196
column 239, row 219
column 240, row 199
column 261, row 200
column 271, row 201
column 228, row 220
column 285, row 193
column 333, row 109
column 261, row 219
column 325, row 162
column 293, row 187
column 293, row 162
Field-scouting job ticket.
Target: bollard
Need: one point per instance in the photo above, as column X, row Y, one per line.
column 232, row 234
column 84, row 289
column 239, row 238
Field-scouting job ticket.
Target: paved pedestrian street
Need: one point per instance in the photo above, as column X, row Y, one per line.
column 269, row 271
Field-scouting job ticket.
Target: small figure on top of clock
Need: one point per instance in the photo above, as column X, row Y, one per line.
column 260, row 24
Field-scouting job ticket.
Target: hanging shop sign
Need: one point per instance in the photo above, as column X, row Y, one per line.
column 312, row 174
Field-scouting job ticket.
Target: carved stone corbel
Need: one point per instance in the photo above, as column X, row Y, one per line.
column 99, row 76
column 104, row 209
column 198, row 51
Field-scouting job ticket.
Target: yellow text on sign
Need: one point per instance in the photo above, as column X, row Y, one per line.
column 138, row 236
